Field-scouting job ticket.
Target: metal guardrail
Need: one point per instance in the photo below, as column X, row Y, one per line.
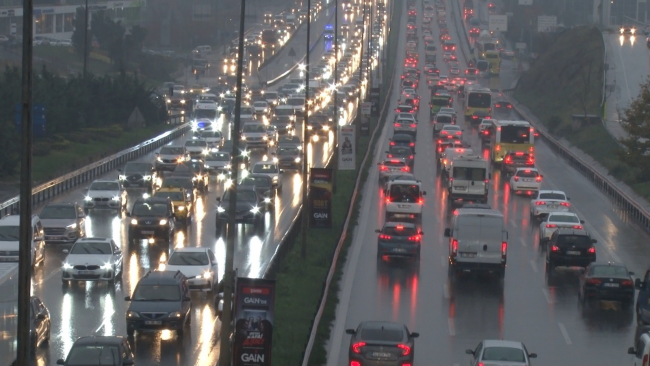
column 90, row 172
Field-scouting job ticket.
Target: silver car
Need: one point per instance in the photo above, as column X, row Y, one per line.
column 92, row 259
column 63, row 222
column 168, row 157
column 548, row 202
column 493, row 352
column 390, row 167
column 271, row 169
column 104, row 193
column 405, row 126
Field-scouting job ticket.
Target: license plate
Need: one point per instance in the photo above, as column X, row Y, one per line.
column 403, row 206
column 573, row 252
column 86, row 272
column 395, row 169
column 399, row 250
column 381, row 354
column 460, row 188
column 147, row 232
column 528, row 179
column 468, row 255
column 610, row 284
column 552, row 206
column 153, row 322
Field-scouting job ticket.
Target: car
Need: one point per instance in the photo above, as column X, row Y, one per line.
column 404, row 176
column 9, row 240
column 63, row 222
column 451, row 111
column 168, row 157
column 261, row 108
column 379, row 342
column 526, row 180
column 569, row 247
column 399, row 239
column 256, row 136
column 401, row 139
column 183, row 205
column 548, row 201
column 136, row 174
column 214, row 139
column 451, row 132
column 442, row 145
column 196, row 148
column 153, row 219
column 288, row 157
column 270, row 169
column 105, row 193
column 263, row 184
column 405, row 126
column 628, row 30
column 198, row 264
column 249, row 208
column 99, row 350
column 390, row 167
column 181, row 182
column 502, row 105
column 405, row 116
column 92, row 259
column 606, row 281
column 161, row 300
column 195, row 170
column 454, row 71
column 39, row 324
column 517, row 159
column 402, row 152
column 485, row 130
column 290, row 141
column 218, row 162
column 498, row 352
column 558, row 220
column 247, row 114
column 449, row 154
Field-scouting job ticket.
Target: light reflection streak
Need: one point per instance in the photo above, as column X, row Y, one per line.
column 220, row 253
column 255, row 248
column 179, row 239
column 297, row 186
column 134, row 271
column 116, row 230
column 89, row 226
column 206, row 330
column 67, row 308
column 109, row 310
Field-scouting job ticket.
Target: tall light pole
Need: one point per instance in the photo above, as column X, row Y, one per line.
column 25, row 234
column 305, row 143
column 86, row 41
column 229, row 275
column 335, row 93
column 363, row 35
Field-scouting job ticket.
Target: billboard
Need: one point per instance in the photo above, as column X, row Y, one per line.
column 498, row 23
column 347, row 148
column 546, row 23
column 320, row 198
column 254, row 307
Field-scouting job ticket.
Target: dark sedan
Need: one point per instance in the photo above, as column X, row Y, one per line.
column 607, row 281
column 99, row 350
column 135, row 174
column 399, row 239
column 381, row 343
column 402, row 152
column 249, row 208
column 263, row 184
column 401, row 139
column 39, row 319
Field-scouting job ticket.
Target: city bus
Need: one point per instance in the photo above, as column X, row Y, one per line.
column 478, row 102
column 510, row 136
column 494, row 59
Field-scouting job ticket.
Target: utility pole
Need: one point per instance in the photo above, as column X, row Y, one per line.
column 229, row 276
column 335, row 153
column 305, row 144
column 86, row 41
column 25, row 235
column 363, row 35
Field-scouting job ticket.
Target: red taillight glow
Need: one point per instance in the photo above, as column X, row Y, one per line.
column 551, row 226
column 516, row 179
column 392, row 143
column 454, row 246
column 405, row 169
column 355, row 363
column 565, row 204
column 385, row 237
column 406, row 350
column 412, row 144
column 539, row 203
column 504, row 248
column 413, row 125
column 626, row 283
column 508, row 160
column 411, row 156
column 356, row 348
column 555, row 248
column 592, row 250
column 578, row 227
column 397, row 125
column 383, row 168
column 594, row 281
column 485, row 132
column 416, row 238
column 538, row 179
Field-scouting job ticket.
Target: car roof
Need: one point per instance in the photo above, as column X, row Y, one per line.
column 531, row 169
column 191, row 249
column 99, row 340
column 381, row 325
column 162, row 277
column 94, row 239
column 550, row 191
column 502, row 343
column 563, row 213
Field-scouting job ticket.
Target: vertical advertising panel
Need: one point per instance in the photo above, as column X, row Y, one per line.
column 320, row 198
column 254, row 306
column 347, row 150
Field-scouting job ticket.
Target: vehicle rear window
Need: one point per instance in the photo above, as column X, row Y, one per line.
column 552, row 196
column 527, row 173
column 609, row 271
column 399, row 230
column 147, row 209
column 443, row 119
column 577, row 240
column 475, row 227
column 393, row 163
column 403, row 109
column 462, row 173
column 404, row 193
column 96, row 354
column 506, row 354
column 384, row 335
column 189, row 259
column 563, row 218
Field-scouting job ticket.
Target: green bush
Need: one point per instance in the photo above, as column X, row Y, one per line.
column 79, row 137
column 554, row 123
column 60, row 144
column 41, row 148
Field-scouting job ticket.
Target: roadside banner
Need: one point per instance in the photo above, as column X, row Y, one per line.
column 346, row 148
column 320, row 198
column 254, row 307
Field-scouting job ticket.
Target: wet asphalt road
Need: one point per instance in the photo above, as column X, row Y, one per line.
column 451, row 316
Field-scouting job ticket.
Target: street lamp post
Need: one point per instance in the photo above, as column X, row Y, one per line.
column 363, row 35
column 335, row 94
column 305, row 143
column 86, row 41
column 228, row 278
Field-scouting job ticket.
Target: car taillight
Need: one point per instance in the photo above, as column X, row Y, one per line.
column 392, row 143
column 480, row 364
column 594, row 281
column 355, row 363
column 406, row 350
column 407, row 364
column 356, row 347
column 390, row 155
column 383, row 168
column 539, row 203
column 413, row 125
column 497, row 105
column 555, row 248
column 565, row 204
column 551, row 226
column 412, row 144
column 405, row 169
column 415, row 238
column 578, row 227
column 591, row 250
column 509, row 106
column 497, row 148
column 504, row 248
column 385, row 237
column 508, row 160
column 459, row 132
column 538, row 179
column 626, row 283
column 516, row 179
column 443, row 132
column 411, row 156
column 485, row 132
column 454, row 246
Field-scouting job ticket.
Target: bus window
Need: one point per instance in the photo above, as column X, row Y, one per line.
column 480, row 100
column 515, row 134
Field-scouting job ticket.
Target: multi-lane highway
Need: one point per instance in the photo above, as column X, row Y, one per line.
column 99, row 309
column 452, row 316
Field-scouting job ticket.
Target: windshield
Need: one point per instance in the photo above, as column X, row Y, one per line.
column 172, row 150
column 189, row 259
column 157, row 293
column 205, row 113
column 271, row 95
column 287, row 151
column 577, row 240
column 137, row 168
column 609, row 271
column 198, row 143
column 492, row 55
column 515, row 134
column 94, row 354
column 244, row 196
column 527, row 173
column 441, row 101
column 552, row 196
column 265, row 168
column 58, row 212
column 564, row 218
column 256, row 181
column 383, row 335
column 399, row 230
column 104, row 186
column 479, row 100
column 218, row 157
column 506, row 354
column 284, row 112
column 296, row 101
column 216, row 134
column 474, row 174
column 173, row 196
column 255, row 128
column 404, row 193
column 150, row 209
column 443, row 119
column 86, row 247
column 260, row 104
column 9, row 233
column 246, row 110
column 400, row 151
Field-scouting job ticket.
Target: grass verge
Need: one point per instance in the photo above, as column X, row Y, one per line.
column 566, row 80
column 300, row 282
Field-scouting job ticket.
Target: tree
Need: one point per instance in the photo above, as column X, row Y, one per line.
column 109, row 35
column 78, row 35
column 637, row 124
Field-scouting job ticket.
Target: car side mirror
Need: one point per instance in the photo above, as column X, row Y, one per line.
column 594, row 241
column 118, row 252
column 568, row 199
column 631, row 273
column 350, row 331
column 415, row 335
column 469, row 351
column 40, row 316
column 60, row 362
column 631, row 351
column 127, row 298
column 447, row 232
column 377, row 230
column 66, row 251
column 421, row 232
column 532, row 355
column 638, row 283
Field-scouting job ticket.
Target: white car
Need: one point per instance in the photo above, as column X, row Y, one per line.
column 105, row 193
column 494, row 352
column 261, row 108
column 271, row 169
column 9, row 236
column 92, row 259
column 558, row 220
column 547, row 202
column 410, row 116
column 196, row 148
column 451, row 132
column 219, row 163
column 526, row 180
column 198, row 264
column 214, row 139
column 247, row 114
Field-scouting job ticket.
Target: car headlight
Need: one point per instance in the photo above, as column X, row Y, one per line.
column 265, row 137
column 310, row 127
column 205, row 152
column 275, row 160
column 175, row 314
column 107, row 266
column 220, row 209
column 132, row 314
column 67, row 265
column 181, row 208
column 182, row 101
column 169, row 100
column 326, row 128
column 116, row 198
column 180, row 159
column 159, row 159
column 207, row 274
column 267, row 200
column 275, row 178
column 88, row 198
column 72, row 226
column 299, row 147
column 134, row 222
column 243, row 137
column 163, row 222
column 147, row 177
column 227, row 167
column 255, row 209
column 122, row 177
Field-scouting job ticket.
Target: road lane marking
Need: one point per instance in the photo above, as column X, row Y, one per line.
column 523, row 242
column 565, row 334
column 452, row 327
column 534, row 265
column 513, row 223
column 547, row 295
column 445, row 287
column 48, row 276
column 107, row 318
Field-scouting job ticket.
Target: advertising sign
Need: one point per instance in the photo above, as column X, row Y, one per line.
column 254, row 307
column 347, row 148
column 546, row 23
column 498, row 23
column 366, row 108
column 38, row 119
column 374, row 99
column 320, row 198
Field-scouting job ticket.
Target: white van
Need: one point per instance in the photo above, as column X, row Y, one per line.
column 641, row 351
column 9, row 238
column 477, row 242
column 468, row 179
column 452, row 153
column 404, row 201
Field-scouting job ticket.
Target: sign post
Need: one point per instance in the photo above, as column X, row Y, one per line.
column 347, row 149
column 254, row 308
column 320, row 198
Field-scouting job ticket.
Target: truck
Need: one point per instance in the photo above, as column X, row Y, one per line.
column 468, row 180
column 9, row 311
column 269, row 38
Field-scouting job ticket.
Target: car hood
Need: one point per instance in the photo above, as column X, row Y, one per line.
column 216, row 163
column 145, row 219
column 155, row 306
column 170, row 156
column 188, row 271
column 98, row 259
column 57, row 222
column 102, row 194
column 195, row 148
